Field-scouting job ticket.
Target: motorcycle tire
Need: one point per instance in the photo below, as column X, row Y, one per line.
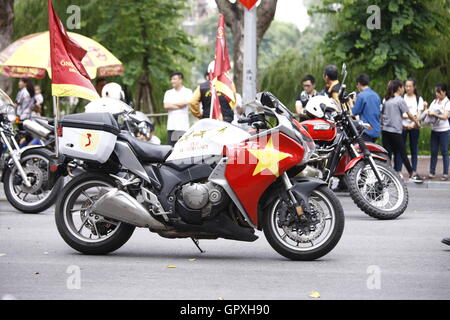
column 362, row 203
column 102, row 247
column 325, row 245
column 31, row 208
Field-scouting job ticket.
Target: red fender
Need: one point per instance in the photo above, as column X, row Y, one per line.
column 373, row 147
column 354, row 161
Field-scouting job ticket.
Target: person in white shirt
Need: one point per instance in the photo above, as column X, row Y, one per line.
column 39, row 100
column 415, row 105
column 440, row 108
column 176, row 103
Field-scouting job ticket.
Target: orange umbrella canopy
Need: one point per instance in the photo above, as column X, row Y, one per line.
column 29, row 57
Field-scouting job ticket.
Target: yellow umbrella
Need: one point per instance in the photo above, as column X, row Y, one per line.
column 29, row 57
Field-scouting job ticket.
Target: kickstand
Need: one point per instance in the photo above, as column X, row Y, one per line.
column 197, row 245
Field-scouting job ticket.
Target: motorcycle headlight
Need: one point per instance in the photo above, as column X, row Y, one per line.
column 9, row 112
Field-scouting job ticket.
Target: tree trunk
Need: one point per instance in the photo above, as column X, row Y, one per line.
column 6, row 32
column 234, row 18
column 145, row 101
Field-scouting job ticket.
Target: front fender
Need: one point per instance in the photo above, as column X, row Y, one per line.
column 354, row 161
column 25, row 149
column 303, row 187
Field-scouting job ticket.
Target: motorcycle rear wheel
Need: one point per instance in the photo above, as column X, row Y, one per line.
column 300, row 246
column 84, row 231
column 361, row 182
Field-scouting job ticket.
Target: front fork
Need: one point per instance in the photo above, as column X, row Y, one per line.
column 288, row 185
column 15, row 155
column 368, row 156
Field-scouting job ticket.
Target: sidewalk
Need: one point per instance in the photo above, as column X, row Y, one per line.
column 423, row 169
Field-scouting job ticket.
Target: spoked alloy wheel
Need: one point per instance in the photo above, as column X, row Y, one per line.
column 80, row 227
column 309, row 239
column 386, row 201
column 40, row 195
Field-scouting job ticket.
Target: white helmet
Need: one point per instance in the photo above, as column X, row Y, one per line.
column 211, row 66
column 114, row 91
column 316, row 106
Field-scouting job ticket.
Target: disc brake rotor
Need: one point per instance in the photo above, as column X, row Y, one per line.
column 37, row 178
column 310, row 230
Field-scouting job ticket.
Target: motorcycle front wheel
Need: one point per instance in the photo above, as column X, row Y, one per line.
column 82, row 229
column 386, row 203
column 310, row 239
column 41, row 195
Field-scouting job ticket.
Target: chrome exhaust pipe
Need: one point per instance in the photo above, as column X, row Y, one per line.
column 119, row 205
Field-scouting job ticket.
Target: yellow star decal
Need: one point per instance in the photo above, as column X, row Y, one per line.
column 268, row 158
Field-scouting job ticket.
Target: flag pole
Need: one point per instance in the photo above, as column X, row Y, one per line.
column 213, row 98
column 56, row 114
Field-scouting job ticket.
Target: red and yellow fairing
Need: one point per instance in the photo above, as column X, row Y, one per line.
column 255, row 164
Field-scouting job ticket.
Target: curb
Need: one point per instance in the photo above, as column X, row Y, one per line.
column 428, row 185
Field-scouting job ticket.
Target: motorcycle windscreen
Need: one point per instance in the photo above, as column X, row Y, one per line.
column 207, row 137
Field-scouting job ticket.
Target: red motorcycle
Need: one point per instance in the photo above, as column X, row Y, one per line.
column 341, row 152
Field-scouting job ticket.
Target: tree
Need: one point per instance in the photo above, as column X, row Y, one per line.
column 145, row 35
column 6, row 33
column 407, row 35
column 234, row 18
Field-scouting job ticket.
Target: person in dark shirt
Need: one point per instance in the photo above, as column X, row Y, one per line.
column 309, row 91
column 203, row 95
column 367, row 107
column 332, row 85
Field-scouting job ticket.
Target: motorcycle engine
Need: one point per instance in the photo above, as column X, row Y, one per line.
column 203, row 196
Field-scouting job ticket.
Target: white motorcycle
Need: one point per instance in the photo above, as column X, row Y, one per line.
column 219, row 181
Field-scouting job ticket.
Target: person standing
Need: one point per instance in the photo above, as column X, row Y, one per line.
column 415, row 105
column 332, row 85
column 392, row 124
column 25, row 99
column 440, row 108
column 367, row 107
column 176, row 103
column 309, row 91
column 202, row 94
column 39, row 102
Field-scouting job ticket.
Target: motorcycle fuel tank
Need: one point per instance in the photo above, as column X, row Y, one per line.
column 320, row 130
column 207, row 137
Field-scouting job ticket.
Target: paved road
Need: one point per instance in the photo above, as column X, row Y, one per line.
column 401, row 259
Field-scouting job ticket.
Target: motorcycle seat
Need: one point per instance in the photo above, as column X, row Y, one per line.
column 146, row 151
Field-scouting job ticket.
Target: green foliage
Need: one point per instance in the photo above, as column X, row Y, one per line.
column 412, row 39
column 283, row 77
column 145, row 35
column 281, row 35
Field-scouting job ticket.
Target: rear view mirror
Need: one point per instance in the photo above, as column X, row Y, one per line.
column 267, row 99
